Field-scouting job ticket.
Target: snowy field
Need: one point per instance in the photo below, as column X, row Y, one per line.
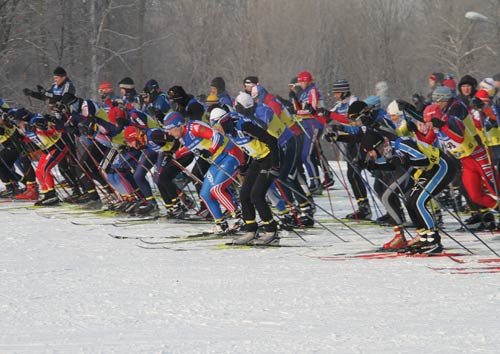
column 69, row 288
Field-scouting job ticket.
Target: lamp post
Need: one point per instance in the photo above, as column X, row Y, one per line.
column 476, row 16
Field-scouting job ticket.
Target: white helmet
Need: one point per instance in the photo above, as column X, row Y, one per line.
column 217, row 114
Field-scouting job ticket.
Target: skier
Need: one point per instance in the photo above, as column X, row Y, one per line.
column 224, row 160
column 263, row 169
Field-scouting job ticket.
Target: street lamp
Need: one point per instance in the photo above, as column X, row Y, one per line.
column 476, row 16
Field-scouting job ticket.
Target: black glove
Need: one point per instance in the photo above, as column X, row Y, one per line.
column 84, row 129
column 322, row 112
column 41, row 89
column 402, row 104
column 272, row 172
column 412, row 127
column 308, row 107
column 370, row 165
column 41, row 124
column 437, row 123
column 167, row 157
column 158, row 137
column 399, row 162
column 243, row 169
column 331, row 136
column 27, row 92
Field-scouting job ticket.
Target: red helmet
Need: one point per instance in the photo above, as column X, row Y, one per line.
column 133, row 134
column 304, row 76
column 483, row 95
column 432, row 111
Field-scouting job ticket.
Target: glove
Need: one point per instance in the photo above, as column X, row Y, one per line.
column 158, row 137
column 167, row 157
column 273, row 172
column 399, row 162
column 331, row 137
column 437, row 123
column 411, row 126
column 402, row 104
column 40, row 89
column 322, row 112
column 243, row 169
column 41, row 124
column 84, row 129
column 27, row 92
column 371, row 165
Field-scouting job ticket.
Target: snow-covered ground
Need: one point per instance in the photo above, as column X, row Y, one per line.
column 69, row 288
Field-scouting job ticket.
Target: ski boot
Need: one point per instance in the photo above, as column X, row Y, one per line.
column 488, row 221
column 397, row 242
column 269, row 237
column 363, row 212
column 176, row 210
column 306, row 217
column 220, row 228
column 328, row 181
column 10, row 190
column 248, row 233
column 49, row 198
column 148, row 207
column 431, row 244
column 287, row 222
column 31, row 192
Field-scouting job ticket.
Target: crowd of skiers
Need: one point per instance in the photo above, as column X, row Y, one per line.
column 259, row 154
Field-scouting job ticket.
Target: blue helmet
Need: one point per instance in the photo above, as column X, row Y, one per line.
column 172, row 120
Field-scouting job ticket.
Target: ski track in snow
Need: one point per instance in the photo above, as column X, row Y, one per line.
column 72, row 289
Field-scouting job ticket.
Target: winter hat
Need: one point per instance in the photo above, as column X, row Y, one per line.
column 176, row 93
column 381, row 88
column 59, row 71
column 438, row 77
column 371, row 140
column 105, row 87
column 219, row 84
column 496, row 77
column 442, row 94
column 212, row 99
column 483, row 95
column 393, row 108
column 467, row 80
column 216, row 115
column 372, row 102
column 89, row 108
column 251, row 81
column 341, row 86
column 172, row 120
column 304, row 76
column 126, row 83
column 488, row 84
column 139, row 119
column 432, row 111
column 450, row 83
column 245, row 100
column 3, row 105
column 116, row 113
